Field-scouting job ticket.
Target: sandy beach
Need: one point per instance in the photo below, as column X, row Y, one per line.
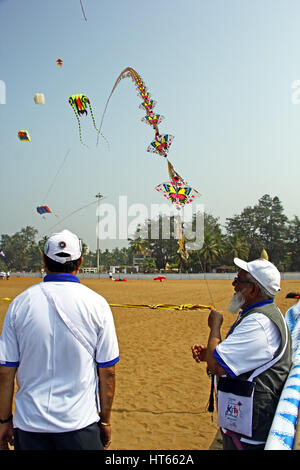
column 161, row 393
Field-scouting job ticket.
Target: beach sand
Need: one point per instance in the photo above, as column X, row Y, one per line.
column 161, row 392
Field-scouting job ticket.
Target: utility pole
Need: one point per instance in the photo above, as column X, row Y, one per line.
column 98, row 196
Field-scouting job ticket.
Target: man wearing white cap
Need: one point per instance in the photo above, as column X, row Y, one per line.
column 59, row 339
column 254, row 360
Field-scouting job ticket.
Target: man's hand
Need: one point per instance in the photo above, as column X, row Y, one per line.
column 105, row 435
column 199, row 352
column 6, row 435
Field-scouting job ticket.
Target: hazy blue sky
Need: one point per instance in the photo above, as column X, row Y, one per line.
column 221, row 72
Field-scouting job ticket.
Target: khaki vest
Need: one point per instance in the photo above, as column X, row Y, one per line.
column 268, row 384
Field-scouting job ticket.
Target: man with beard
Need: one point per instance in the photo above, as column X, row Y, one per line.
column 253, row 362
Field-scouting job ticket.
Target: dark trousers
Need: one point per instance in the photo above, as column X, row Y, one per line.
column 228, row 444
column 83, row 439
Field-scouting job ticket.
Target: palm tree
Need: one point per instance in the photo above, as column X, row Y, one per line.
column 211, row 250
column 236, row 247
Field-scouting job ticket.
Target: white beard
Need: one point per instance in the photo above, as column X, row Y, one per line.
column 236, row 303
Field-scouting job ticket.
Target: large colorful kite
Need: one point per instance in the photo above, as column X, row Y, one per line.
column 162, row 142
column 177, row 190
column 179, row 193
column 79, row 104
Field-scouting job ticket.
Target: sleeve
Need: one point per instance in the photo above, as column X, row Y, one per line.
column 107, row 351
column 248, row 347
column 9, row 348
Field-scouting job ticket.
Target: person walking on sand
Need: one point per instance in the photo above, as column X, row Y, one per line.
column 252, row 364
column 59, row 339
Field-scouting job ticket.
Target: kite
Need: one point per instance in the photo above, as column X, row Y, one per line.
column 24, row 136
column 43, row 210
column 79, row 104
column 162, row 142
column 39, row 98
column 179, row 193
column 59, row 62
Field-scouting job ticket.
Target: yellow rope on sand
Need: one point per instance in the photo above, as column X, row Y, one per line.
column 166, row 306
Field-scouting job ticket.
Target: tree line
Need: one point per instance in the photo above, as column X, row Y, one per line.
column 263, row 226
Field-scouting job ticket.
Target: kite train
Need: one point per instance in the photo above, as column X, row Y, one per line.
column 79, row 104
column 162, row 142
column 177, row 191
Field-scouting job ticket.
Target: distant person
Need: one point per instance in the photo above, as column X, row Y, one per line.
column 59, row 338
column 7, row 275
column 110, row 275
column 257, row 350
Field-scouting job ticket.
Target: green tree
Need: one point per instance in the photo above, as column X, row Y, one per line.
column 262, row 226
column 292, row 261
column 235, row 247
column 211, row 251
column 20, row 249
column 149, row 265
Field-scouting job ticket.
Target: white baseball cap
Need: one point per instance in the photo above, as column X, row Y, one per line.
column 63, row 242
column 263, row 271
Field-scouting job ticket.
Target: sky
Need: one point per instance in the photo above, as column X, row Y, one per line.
column 223, row 73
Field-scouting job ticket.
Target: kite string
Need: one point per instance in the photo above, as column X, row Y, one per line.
column 94, row 122
column 57, row 173
column 83, row 10
column 74, row 212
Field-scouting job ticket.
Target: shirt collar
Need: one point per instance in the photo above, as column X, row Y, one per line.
column 256, row 304
column 61, row 277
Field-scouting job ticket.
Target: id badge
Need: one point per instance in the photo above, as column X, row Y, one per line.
column 235, row 405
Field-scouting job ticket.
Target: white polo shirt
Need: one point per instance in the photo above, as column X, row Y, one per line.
column 57, row 377
column 253, row 343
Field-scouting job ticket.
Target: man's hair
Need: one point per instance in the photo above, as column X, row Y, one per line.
column 262, row 289
column 67, row 267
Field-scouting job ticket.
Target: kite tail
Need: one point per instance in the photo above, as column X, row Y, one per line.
column 79, row 126
column 94, row 122
column 181, row 240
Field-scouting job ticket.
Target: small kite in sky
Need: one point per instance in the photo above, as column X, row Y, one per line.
column 43, row 210
column 24, row 135
column 39, row 98
column 79, row 104
column 59, row 62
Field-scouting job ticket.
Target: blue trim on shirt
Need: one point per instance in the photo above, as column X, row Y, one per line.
column 9, row 364
column 109, row 363
column 61, row 277
column 223, row 364
column 250, row 307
